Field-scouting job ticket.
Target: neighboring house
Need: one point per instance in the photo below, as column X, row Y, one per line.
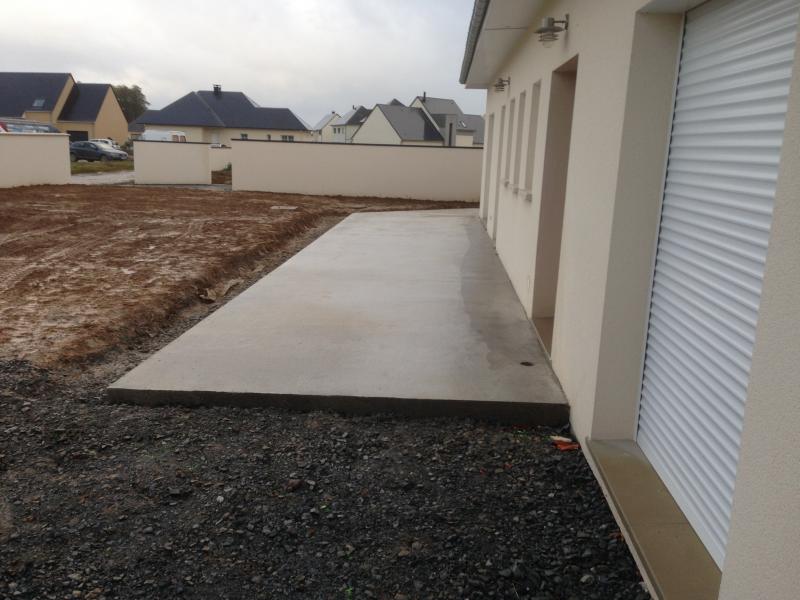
column 83, row 110
column 217, row 117
column 650, row 226
column 323, row 130
column 346, row 126
column 398, row 124
column 456, row 127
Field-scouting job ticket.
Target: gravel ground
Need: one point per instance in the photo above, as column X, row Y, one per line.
column 102, row 501
column 105, row 501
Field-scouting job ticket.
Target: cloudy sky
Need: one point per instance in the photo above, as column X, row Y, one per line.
column 313, row 56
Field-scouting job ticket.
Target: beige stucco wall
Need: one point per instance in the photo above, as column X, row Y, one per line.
column 358, row 170
column 219, row 158
column 763, row 553
column 327, row 133
column 427, row 143
column 601, row 36
column 110, row 121
column 33, row 159
column 171, row 163
column 464, row 139
column 376, row 130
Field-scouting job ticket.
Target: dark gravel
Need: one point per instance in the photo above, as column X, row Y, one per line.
column 102, row 501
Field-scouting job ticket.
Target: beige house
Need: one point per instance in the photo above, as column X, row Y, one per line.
column 217, row 117
column 427, row 121
column 398, row 125
column 641, row 180
column 323, row 130
column 455, row 127
column 346, row 126
column 82, row 110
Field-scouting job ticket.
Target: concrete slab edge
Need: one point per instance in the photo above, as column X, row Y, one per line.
column 506, row 413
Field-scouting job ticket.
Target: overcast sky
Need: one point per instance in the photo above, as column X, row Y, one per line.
column 312, row 56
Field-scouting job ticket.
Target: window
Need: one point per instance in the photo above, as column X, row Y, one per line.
column 532, row 126
column 244, row 136
column 518, row 134
column 512, row 107
column 269, row 136
column 38, row 103
column 287, row 138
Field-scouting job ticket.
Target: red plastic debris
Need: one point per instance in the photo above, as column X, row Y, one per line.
column 564, row 444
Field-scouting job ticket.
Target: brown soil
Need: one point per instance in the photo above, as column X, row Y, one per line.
column 83, row 268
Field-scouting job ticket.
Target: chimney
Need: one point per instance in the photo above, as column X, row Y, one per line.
column 424, row 96
column 217, row 89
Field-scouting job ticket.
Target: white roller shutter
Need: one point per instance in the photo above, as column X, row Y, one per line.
column 725, row 148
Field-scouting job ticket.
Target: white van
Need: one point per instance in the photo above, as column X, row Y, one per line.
column 156, row 135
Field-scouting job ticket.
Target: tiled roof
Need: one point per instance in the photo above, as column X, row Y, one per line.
column 29, row 91
column 222, row 109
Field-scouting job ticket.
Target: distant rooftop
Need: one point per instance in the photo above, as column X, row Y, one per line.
column 216, row 108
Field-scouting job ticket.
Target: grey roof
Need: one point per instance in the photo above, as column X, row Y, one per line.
column 474, row 123
column 354, row 116
column 411, row 124
column 479, row 10
column 323, row 122
column 137, row 125
column 222, row 109
column 84, row 102
column 396, row 102
column 441, row 106
column 19, row 91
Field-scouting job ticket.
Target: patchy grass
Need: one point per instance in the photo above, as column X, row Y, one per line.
column 83, row 166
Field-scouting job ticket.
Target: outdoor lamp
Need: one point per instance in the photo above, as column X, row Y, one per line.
column 501, row 84
column 548, row 32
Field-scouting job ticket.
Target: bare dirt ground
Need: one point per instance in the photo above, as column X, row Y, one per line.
column 82, row 269
column 101, row 501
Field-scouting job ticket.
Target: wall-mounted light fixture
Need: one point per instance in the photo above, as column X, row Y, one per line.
column 548, row 32
column 500, row 84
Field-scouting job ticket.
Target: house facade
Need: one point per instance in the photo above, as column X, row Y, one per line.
column 323, row 130
column 640, row 182
column 217, row 117
column 348, row 124
column 455, row 127
column 82, row 110
column 398, row 125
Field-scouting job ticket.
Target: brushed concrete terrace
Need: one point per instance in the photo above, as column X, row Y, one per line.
column 407, row 312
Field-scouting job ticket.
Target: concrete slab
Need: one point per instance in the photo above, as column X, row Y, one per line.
column 402, row 311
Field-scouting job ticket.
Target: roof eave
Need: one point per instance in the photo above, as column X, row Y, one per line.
column 496, row 30
column 479, row 11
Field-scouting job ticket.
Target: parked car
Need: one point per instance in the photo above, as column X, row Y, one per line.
column 93, row 151
column 25, row 126
column 156, row 135
column 107, row 141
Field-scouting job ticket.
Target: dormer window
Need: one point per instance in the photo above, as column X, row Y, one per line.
column 38, row 103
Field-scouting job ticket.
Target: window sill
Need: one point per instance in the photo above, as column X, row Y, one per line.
column 673, row 560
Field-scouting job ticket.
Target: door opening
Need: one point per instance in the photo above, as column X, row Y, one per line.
column 551, row 211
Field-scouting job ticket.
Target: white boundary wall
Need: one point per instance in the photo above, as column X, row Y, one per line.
column 219, row 158
column 418, row 172
column 34, row 159
column 171, row 163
